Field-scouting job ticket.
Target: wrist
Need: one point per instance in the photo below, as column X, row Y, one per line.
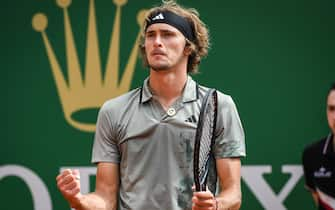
column 216, row 203
column 76, row 201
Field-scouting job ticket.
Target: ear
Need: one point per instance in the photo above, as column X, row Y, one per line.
column 187, row 50
column 142, row 50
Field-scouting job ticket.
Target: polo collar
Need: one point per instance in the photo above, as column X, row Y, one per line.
column 190, row 92
column 328, row 148
column 145, row 92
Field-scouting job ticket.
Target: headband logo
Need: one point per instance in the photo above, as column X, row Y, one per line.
column 158, row 17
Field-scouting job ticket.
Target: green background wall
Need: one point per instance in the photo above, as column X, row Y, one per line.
column 276, row 58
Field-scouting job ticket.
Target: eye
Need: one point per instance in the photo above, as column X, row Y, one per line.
column 168, row 34
column 331, row 108
column 149, row 34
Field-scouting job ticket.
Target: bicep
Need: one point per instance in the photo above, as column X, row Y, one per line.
column 107, row 181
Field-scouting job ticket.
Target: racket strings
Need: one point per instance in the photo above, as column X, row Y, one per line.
column 206, row 138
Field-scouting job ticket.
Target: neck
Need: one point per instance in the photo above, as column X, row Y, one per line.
column 167, row 86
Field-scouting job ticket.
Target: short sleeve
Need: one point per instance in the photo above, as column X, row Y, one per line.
column 230, row 138
column 105, row 147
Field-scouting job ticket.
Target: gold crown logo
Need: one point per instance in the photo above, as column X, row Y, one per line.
column 80, row 93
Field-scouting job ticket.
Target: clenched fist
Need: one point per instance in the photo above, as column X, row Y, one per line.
column 68, row 183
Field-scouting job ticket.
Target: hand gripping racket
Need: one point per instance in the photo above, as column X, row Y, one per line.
column 204, row 139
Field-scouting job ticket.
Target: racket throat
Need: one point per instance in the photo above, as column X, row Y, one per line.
column 203, row 180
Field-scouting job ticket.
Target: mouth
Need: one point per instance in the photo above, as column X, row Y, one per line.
column 157, row 53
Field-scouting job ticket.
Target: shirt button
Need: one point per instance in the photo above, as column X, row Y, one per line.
column 171, row 111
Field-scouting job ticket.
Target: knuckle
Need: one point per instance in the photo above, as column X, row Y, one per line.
column 62, row 188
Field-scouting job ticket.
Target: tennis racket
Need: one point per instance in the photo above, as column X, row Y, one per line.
column 204, row 139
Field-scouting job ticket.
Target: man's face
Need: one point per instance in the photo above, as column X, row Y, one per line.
column 331, row 110
column 164, row 46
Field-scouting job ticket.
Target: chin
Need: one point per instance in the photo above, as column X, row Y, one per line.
column 159, row 67
column 159, row 70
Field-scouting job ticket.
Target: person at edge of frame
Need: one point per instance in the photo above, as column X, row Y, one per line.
column 318, row 161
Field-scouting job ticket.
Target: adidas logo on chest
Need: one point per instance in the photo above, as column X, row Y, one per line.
column 323, row 173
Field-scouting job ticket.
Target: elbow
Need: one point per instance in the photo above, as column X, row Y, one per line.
column 236, row 202
column 231, row 201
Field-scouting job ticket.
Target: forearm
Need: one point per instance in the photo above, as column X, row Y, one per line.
column 315, row 197
column 230, row 196
column 93, row 201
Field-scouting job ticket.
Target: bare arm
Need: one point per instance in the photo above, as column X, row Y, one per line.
column 314, row 194
column 229, row 173
column 229, row 198
column 105, row 195
column 315, row 197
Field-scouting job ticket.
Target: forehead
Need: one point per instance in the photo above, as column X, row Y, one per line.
column 162, row 27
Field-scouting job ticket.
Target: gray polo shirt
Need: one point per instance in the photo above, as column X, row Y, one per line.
column 154, row 147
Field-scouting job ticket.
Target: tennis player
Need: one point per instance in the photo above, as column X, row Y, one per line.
column 144, row 139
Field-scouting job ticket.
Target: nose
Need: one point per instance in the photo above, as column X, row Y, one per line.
column 157, row 41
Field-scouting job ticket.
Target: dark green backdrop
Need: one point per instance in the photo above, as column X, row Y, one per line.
column 276, row 58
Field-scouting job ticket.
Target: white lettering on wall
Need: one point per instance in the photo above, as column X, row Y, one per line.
column 39, row 192
column 253, row 177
